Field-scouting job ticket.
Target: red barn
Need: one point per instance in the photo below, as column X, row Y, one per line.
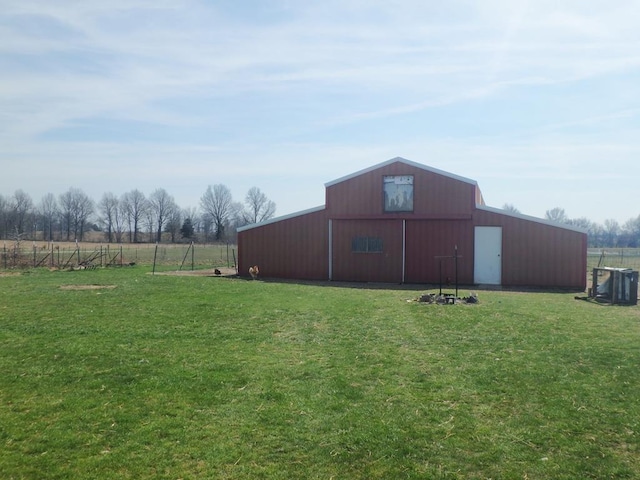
column 403, row 222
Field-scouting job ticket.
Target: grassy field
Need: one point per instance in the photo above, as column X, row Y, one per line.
column 115, row 373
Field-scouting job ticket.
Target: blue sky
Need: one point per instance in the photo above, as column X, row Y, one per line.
column 538, row 101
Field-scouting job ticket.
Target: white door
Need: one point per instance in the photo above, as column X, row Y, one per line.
column 487, row 263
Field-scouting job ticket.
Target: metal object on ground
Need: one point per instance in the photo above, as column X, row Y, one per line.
column 614, row 285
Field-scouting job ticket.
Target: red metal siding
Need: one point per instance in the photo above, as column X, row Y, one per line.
column 536, row 254
column 434, row 194
column 367, row 267
column 533, row 253
column 296, row 248
column 426, row 240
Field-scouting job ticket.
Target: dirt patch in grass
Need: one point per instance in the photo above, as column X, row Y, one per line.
column 9, row 274
column 224, row 272
column 85, row 287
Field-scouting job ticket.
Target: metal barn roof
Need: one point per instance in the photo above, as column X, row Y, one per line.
column 407, row 162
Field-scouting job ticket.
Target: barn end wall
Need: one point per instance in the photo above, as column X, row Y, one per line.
column 295, row 248
column 538, row 254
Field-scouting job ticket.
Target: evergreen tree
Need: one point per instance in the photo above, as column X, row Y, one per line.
column 187, row 229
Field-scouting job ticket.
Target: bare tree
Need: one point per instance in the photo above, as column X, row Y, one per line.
column 237, row 218
column 611, row 231
column 48, row 211
column 557, row 215
column 134, row 206
column 148, row 222
column 4, row 217
column 84, row 209
column 509, row 207
column 174, row 224
column 118, row 224
column 65, row 200
column 631, row 229
column 109, row 211
column 21, row 206
column 587, row 225
column 75, row 209
column 216, row 204
column 161, row 205
column 259, row 207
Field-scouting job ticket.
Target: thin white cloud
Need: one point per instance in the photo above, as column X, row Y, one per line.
column 337, row 68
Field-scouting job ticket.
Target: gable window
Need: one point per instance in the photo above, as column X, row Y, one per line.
column 366, row 245
column 398, row 193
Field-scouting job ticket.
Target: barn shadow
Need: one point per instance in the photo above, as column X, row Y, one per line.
column 414, row 287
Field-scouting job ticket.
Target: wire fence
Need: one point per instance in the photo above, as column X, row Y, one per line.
column 613, row 257
column 23, row 255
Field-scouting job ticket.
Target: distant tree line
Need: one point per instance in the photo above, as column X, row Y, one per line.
column 609, row 234
column 132, row 217
column 135, row 217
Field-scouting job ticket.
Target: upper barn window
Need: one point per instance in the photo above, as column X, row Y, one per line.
column 398, row 193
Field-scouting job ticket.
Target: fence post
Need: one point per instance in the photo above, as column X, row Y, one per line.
column 153, row 272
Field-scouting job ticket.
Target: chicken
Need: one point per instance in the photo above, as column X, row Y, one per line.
column 254, row 271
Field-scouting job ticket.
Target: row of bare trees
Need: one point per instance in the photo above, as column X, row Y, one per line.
column 609, row 234
column 131, row 217
column 134, row 217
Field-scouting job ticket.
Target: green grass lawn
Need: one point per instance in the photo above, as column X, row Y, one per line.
column 199, row 377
